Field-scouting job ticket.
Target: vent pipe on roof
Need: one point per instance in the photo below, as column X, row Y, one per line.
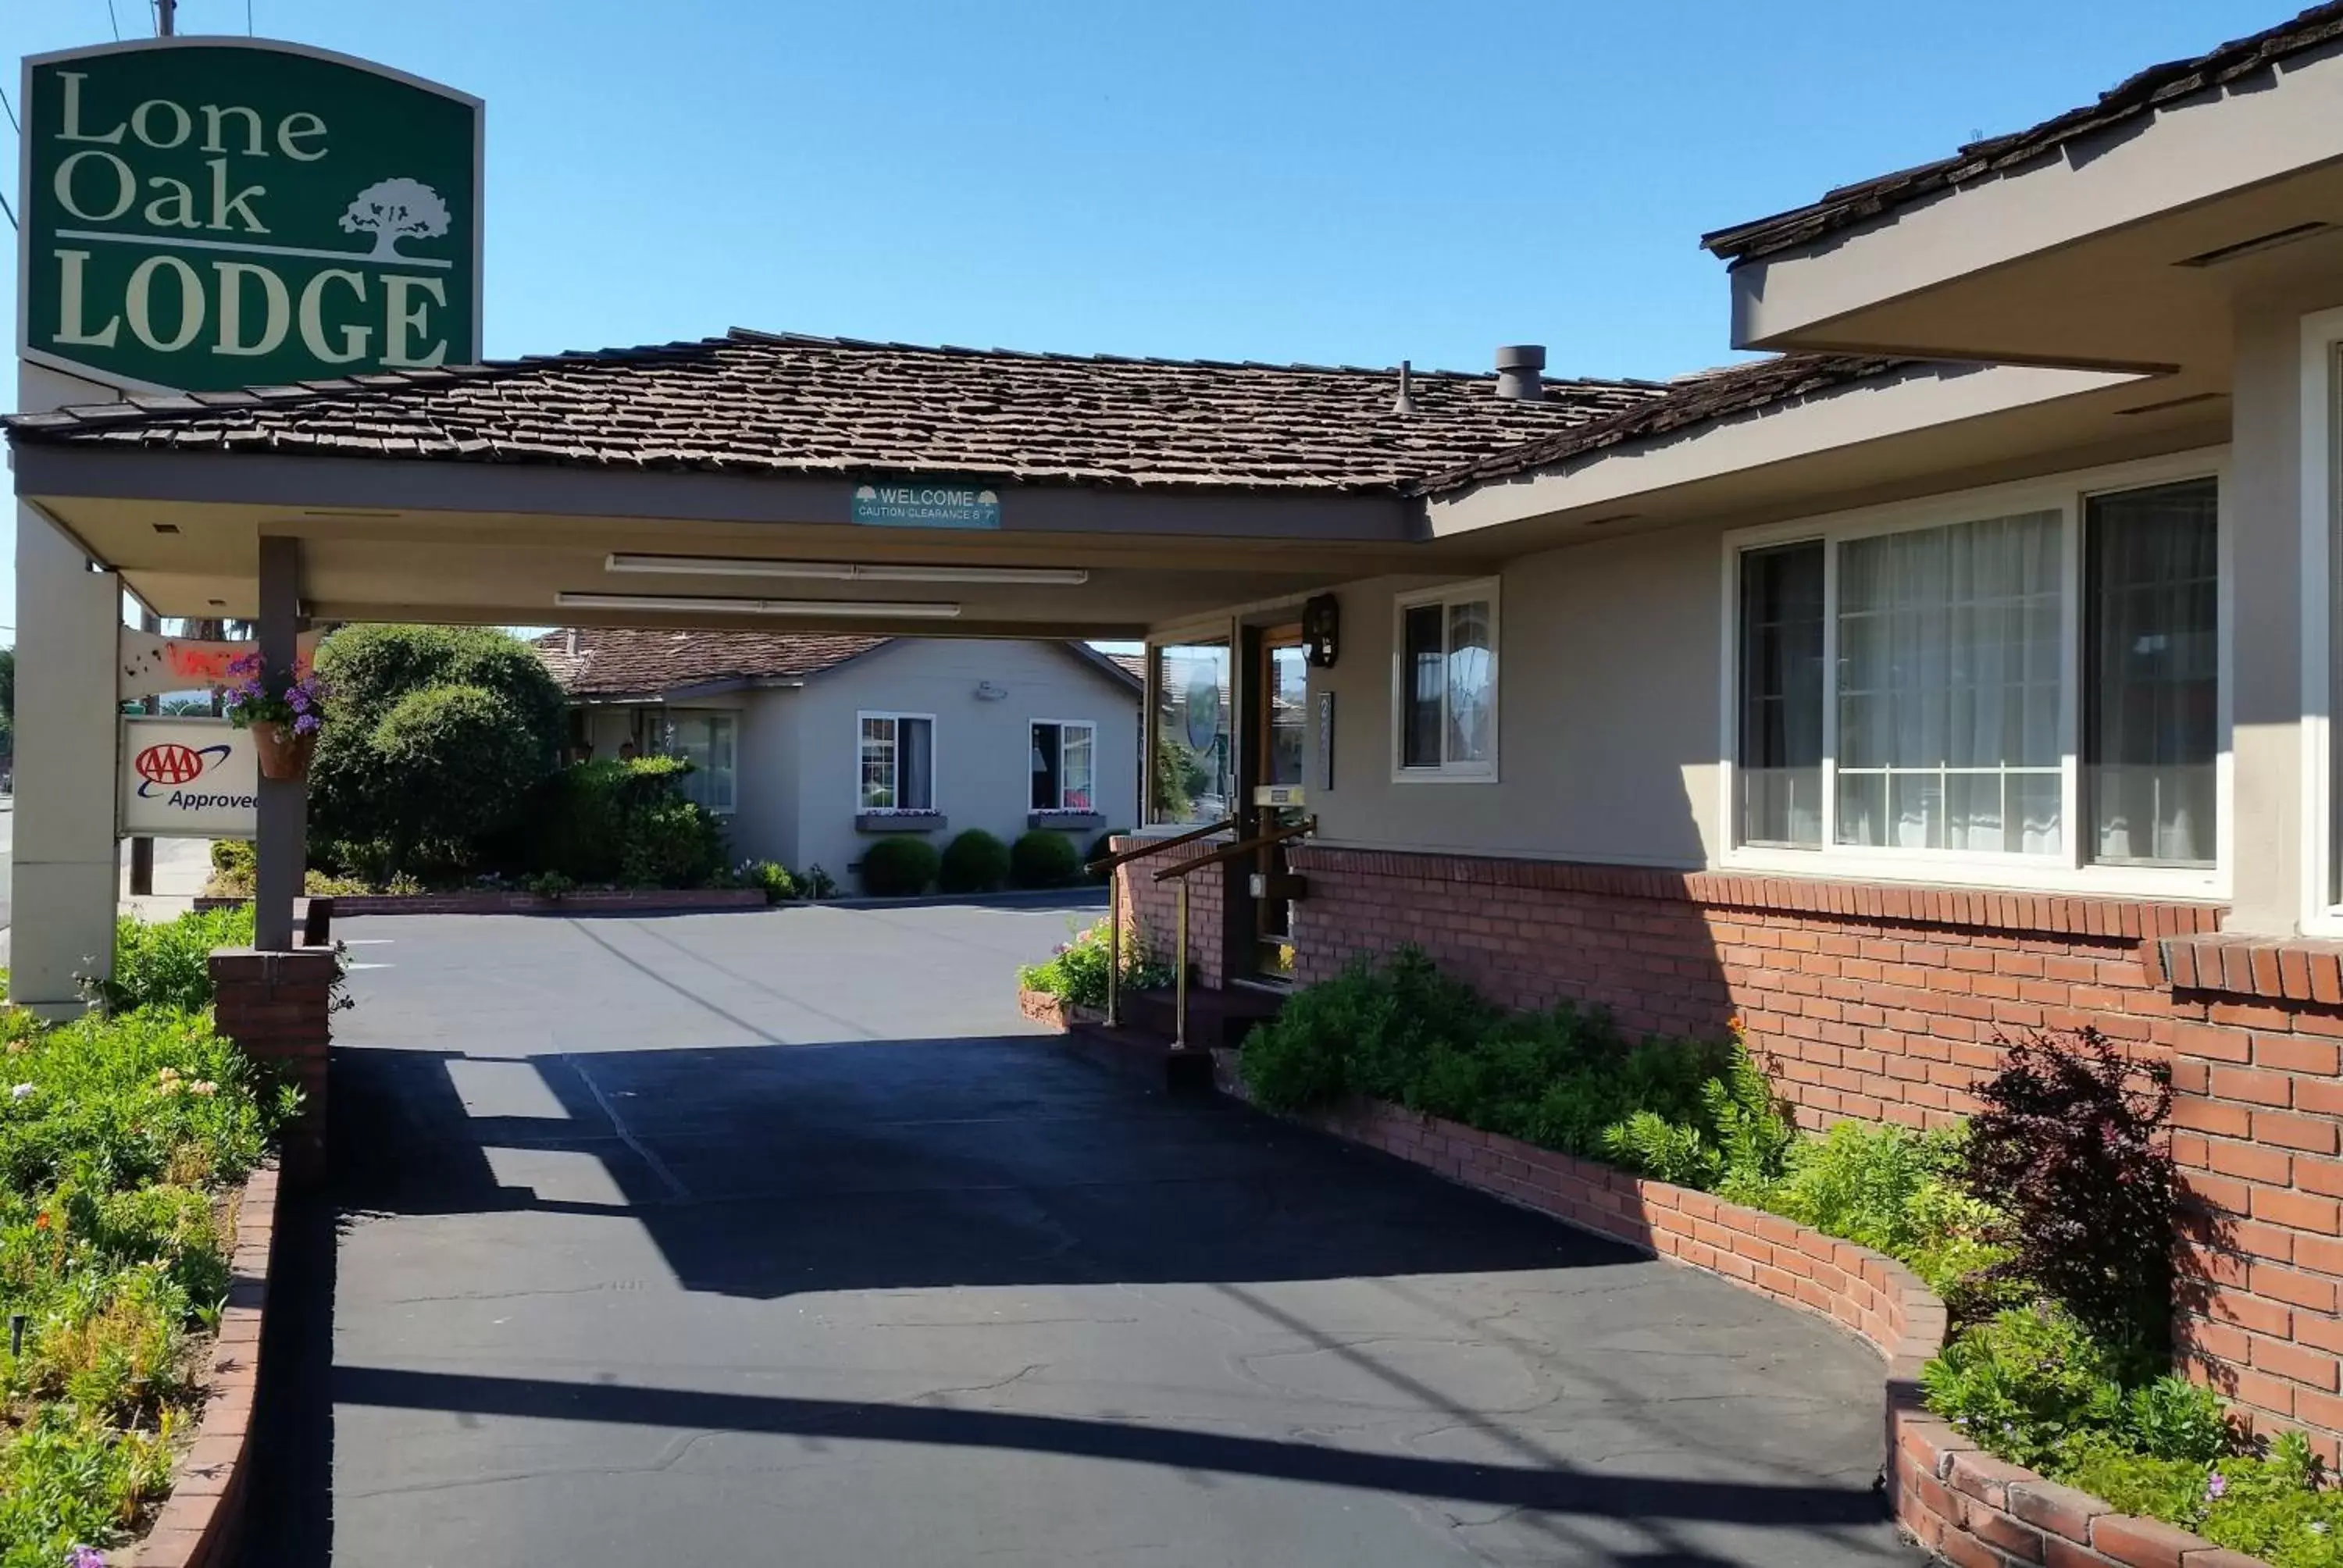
column 1406, row 404
column 571, row 643
column 1518, row 372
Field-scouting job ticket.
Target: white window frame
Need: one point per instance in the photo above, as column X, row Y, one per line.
column 1445, row 595
column 2069, row 869
column 2321, row 558
column 935, row 770
column 1063, row 725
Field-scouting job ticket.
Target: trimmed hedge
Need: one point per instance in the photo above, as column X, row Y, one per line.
column 973, row 862
column 1042, row 859
column 899, row 867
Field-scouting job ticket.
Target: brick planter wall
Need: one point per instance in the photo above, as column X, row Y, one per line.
column 278, row 1007
column 199, row 1523
column 1150, row 909
column 1962, row 1504
column 1882, row 1001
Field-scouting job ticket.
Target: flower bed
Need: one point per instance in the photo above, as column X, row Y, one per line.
column 135, row 1218
column 1951, row 1496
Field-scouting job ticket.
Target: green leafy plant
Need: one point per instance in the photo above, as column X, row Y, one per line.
column 898, row 867
column 817, row 883
column 167, row 963
column 1042, row 859
column 549, row 885
column 1077, row 971
column 771, row 877
column 2026, row 1382
column 973, row 862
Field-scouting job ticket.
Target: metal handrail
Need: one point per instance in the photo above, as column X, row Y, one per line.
column 1237, row 851
column 1157, row 846
column 1114, row 903
column 1182, row 871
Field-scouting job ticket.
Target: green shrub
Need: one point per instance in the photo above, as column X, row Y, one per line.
column 2027, row 1381
column 613, row 822
column 816, row 883
column 363, row 809
column 898, row 867
column 167, row 963
column 1041, row 859
column 973, row 862
column 454, row 769
column 1077, row 972
column 772, row 877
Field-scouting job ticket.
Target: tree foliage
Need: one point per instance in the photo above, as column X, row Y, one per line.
column 439, row 789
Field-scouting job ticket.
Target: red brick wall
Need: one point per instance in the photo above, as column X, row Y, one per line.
column 1151, row 907
column 1882, row 1002
column 278, row 1007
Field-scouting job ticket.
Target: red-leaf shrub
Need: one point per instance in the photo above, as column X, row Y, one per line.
column 2069, row 1146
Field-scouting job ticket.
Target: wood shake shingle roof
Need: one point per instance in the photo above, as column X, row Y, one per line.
column 759, row 402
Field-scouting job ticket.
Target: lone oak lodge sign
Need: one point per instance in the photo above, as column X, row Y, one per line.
column 201, row 213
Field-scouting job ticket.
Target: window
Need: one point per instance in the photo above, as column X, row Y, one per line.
column 1191, row 778
column 1445, row 684
column 1781, row 758
column 2037, row 683
column 898, row 770
column 1949, row 684
column 1065, row 765
column 2151, row 569
column 709, row 741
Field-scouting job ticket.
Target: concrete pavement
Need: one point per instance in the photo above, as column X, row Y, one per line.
column 781, row 1237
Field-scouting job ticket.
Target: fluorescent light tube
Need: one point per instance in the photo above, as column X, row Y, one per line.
column 842, row 571
column 889, row 609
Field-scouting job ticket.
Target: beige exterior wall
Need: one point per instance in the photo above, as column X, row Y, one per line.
column 1607, row 719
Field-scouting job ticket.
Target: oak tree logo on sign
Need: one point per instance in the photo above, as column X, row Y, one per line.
column 172, row 765
column 189, row 204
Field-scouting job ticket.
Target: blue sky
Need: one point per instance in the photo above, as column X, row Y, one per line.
column 1358, row 182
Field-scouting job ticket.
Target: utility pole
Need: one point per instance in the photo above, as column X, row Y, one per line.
column 164, row 22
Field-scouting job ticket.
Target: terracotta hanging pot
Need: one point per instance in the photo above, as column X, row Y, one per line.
column 283, row 753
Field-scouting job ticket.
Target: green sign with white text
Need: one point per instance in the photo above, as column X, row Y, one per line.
column 209, row 212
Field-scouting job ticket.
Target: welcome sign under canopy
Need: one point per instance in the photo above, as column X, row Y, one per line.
column 201, row 214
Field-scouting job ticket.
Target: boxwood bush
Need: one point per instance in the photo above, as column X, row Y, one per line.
column 1041, row 859
column 898, row 867
column 973, row 862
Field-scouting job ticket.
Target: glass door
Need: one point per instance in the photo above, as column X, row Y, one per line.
column 1280, row 723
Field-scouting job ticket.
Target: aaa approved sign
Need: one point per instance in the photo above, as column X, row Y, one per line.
column 188, row 778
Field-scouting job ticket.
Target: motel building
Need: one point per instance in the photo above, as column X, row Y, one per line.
column 1965, row 665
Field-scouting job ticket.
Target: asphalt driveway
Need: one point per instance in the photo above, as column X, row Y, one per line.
column 780, row 1237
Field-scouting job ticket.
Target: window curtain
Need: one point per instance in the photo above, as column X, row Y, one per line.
column 1949, row 687
column 2152, row 571
column 1469, row 683
column 1075, row 772
column 915, row 764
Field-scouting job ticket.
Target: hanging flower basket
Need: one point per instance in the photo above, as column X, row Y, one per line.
column 284, row 713
column 284, row 753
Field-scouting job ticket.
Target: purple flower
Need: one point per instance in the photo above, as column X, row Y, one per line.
column 87, row 1557
column 304, row 724
column 2216, row 1485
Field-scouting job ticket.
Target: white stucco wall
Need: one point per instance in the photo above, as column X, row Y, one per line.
column 983, row 748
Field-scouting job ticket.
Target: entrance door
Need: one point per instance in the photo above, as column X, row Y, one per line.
column 1278, row 730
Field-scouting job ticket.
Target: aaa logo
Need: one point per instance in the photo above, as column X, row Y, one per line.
column 173, row 764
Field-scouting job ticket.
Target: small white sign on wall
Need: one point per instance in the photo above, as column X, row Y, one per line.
column 188, row 778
